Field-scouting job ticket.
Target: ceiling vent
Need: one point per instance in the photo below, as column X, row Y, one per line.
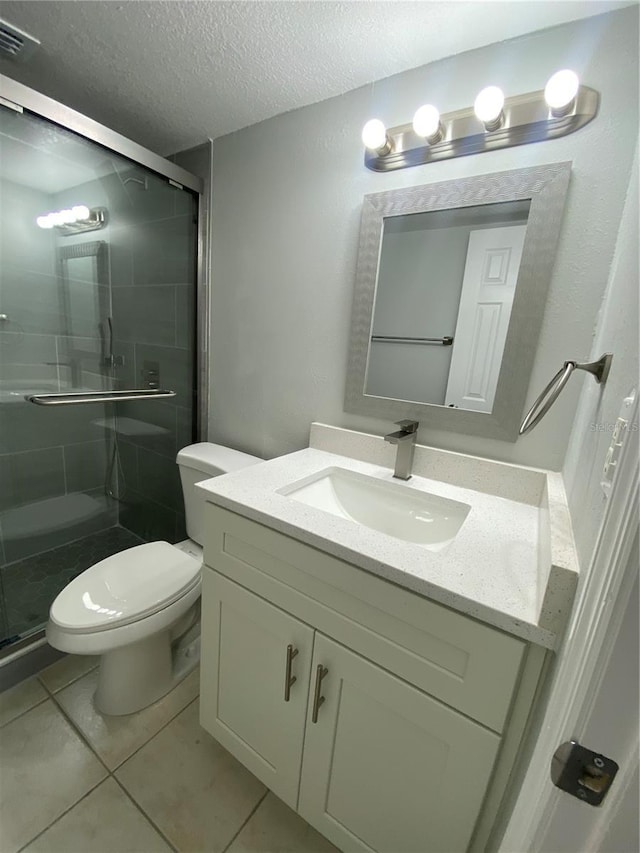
column 16, row 44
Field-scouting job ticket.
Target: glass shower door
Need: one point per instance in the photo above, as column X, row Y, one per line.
column 97, row 295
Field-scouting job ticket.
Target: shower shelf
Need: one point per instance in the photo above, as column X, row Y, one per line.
column 130, row 426
column 75, row 398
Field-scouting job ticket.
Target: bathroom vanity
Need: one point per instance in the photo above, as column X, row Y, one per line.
column 379, row 685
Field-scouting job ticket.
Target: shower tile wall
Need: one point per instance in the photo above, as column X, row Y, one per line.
column 46, row 453
column 43, row 453
column 152, row 291
column 151, row 304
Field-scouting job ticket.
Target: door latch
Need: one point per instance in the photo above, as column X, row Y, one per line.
column 582, row 773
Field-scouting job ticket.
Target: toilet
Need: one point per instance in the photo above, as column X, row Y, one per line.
column 140, row 609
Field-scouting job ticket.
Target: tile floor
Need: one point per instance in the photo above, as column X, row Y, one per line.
column 73, row 781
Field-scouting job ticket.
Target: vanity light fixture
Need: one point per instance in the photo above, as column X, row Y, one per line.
column 74, row 220
column 560, row 92
column 488, row 107
column 426, row 123
column 494, row 122
column 374, row 137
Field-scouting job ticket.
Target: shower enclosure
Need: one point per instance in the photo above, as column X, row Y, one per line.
column 98, row 291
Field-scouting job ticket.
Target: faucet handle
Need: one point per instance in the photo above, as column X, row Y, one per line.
column 408, row 426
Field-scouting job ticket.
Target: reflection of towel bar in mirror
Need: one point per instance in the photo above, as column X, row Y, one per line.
column 446, row 341
column 598, row 369
column 74, row 398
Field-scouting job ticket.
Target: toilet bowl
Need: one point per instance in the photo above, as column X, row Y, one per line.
column 139, row 609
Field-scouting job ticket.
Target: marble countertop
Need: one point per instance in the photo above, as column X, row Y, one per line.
column 509, row 566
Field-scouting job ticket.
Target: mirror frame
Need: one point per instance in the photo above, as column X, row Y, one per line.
column 546, row 187
column 97, row 249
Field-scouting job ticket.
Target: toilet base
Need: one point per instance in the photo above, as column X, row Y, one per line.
column 135, row 676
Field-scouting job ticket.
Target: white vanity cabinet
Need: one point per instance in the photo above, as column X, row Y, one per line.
column 386, row 767
column 250, row 645
column 400, row 729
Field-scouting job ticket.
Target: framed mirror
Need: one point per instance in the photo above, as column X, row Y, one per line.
column 451, row 285
column 84, row 287
column 84, row 295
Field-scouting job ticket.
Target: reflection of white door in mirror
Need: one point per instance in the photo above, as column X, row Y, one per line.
column 490, row 277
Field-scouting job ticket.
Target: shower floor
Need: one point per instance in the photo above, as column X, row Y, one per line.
column 31, row 585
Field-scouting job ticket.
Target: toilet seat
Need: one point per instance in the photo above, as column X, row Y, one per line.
column 125, row 588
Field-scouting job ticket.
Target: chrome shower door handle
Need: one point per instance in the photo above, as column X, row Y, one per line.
column 318, row 700
column 289, row 680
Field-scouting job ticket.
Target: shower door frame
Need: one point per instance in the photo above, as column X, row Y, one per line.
column 19, row 98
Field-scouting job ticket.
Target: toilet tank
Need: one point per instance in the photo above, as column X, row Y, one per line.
column 199, row 462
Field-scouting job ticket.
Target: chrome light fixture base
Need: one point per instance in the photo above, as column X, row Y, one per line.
column 98, row 218
column 526, row 118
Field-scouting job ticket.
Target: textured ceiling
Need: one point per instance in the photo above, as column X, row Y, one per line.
column 171, row 74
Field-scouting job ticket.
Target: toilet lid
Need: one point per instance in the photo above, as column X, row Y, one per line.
column 125, row 587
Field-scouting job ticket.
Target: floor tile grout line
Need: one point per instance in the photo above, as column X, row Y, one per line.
column 250, row 815
column 62, row 814
column 49, row 693
column 79, row 732
column 84, row 738
column 110, row 773
column 26, row 711
column 63, row 686
column 155, row 735
column 147, row 817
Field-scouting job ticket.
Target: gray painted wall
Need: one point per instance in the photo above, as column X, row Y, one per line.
column 599, row 407
column 616, row 727
column 286, row 214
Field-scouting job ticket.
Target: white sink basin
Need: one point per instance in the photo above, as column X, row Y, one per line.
column 391, row 508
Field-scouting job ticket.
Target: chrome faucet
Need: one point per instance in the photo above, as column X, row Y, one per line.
column 405, row 438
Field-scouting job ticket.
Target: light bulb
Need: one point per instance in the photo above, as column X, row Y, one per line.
column 80, row 211
column 374, row 134
column 426, row 122
column 488, row 107
column 45, row 221
column 56, row 217
column 67, row 215
column 561, row 90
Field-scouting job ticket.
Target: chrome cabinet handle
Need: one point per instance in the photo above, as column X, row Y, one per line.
column 289, row 680
column 318, row 700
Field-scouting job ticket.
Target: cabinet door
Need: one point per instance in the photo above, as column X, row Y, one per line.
column 242, row 692
column 386, row 767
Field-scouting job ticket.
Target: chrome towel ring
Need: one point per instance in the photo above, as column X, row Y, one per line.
column 598, row 369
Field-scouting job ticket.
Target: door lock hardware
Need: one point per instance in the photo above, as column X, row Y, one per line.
column 582, row 773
